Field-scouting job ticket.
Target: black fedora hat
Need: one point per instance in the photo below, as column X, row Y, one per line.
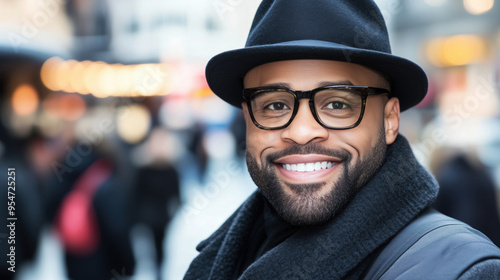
column 342, row 30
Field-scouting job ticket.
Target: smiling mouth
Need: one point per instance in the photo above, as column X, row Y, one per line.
column 309, row 166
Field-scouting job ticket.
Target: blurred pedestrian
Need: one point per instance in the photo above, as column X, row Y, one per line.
column 93, row 221
column 22, row 208
column 468, row 193
column 156, row 199
column 156, row 188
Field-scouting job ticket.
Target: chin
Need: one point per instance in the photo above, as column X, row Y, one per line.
column 306, row 205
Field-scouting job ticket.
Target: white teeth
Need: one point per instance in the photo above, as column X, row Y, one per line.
column 301, row 167
column 317, row 166
column 308, row 167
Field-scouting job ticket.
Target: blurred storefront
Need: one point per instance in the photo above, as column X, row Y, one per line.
column 457, row 43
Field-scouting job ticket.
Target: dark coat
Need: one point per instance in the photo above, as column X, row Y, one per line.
column 342, row 248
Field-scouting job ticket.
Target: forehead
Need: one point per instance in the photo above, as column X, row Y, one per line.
column 307, row 74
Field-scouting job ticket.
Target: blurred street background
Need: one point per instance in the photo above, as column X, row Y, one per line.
column 125, row 160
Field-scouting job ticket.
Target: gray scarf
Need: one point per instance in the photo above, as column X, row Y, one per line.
column 340, row 248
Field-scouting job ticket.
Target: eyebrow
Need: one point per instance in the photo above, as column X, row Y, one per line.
column 320, row 84
column 335, row 83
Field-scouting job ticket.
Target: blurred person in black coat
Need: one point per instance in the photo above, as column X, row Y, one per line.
column 468, row 193
column 21, row 190
column 156, row 195
column 104, row 248
column 156, row 188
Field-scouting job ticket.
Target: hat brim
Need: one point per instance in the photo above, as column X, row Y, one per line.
column 225, row 71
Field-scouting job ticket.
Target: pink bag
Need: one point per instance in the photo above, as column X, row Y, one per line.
column 76, row 220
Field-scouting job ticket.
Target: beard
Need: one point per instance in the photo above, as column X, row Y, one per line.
column 306, row 206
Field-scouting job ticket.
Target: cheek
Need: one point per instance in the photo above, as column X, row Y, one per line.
column 259, row 141
column 365, row 136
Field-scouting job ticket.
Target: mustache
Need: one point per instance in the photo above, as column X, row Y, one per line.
column 311, row 148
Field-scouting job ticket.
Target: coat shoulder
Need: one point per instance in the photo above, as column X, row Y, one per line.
column 484, row 270
column 439, row 246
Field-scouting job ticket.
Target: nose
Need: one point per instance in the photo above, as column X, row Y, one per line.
column 304, row 127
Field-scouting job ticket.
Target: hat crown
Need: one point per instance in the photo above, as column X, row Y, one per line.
column 353, row 23
column 353, row 31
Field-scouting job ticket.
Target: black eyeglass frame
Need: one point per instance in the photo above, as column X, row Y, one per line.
column 363, row 91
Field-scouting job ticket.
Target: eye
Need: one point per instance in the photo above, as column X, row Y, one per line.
column 337, row 105
column 277, row 106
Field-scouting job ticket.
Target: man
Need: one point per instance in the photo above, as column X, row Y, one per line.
column 340, row 194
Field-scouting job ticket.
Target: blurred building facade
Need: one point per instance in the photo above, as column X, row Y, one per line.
column 457, row 43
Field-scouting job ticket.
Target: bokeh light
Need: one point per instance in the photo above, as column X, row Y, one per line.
column 71, row 107
column 133, row 123
column 25, row 100
column 456, row 50
column 104, row 80
column 48, row 73
column 478, row 7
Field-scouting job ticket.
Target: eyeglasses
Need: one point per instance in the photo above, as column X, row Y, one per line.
column 335, row 107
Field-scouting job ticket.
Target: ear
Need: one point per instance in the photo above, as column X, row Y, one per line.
column 391, row 120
